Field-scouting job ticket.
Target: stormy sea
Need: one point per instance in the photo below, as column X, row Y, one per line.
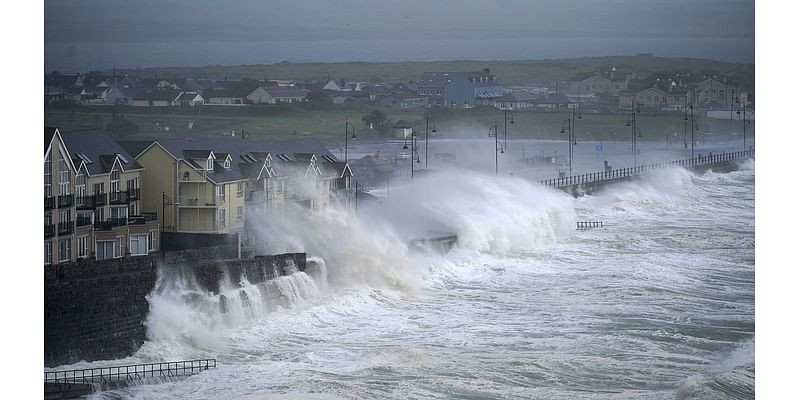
column 656, row 304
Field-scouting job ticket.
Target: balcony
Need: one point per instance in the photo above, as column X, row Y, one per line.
column 66, row 200
column 142, row 219
column 99, row 200
column 66, row 227
column 194, row 202
column 84, row 202
column 120, row 197
column 49, row 202
column 49, row 230
column 110, row 224
column 134, row 194
column 83, row 221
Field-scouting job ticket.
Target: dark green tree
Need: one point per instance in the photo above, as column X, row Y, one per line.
column 318, row 100
column 378, row 120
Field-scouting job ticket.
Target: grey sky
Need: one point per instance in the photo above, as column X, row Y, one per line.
column 92, row 24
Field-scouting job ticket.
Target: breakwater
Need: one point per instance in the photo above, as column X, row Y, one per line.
column 95, row 309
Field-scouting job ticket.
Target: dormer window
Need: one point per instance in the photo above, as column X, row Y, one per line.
column 227, row 164
column 210, row 164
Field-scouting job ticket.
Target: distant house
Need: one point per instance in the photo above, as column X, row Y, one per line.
column 401, row 101
column 190, row 100
column 285, row 94
column 459, row 89
column 236, row 95
column 590, row 83
column 515, row 101
column 335, row 87
column 652, row 98
column 153, row 97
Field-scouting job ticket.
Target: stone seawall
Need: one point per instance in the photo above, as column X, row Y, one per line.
column 95, row 310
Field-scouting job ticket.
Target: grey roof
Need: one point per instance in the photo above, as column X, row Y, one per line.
column 134, row 147
column 154, row 94
column 99, row 148
column 296, row 152
column 285, row 91
column 49, row 132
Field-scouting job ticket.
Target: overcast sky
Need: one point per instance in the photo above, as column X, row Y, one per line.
column 80, row 27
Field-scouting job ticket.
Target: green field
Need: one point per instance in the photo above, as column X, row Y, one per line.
column 508, row 72
column 328, row 126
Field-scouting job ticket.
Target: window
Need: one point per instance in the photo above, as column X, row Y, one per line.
column 133, row 208
column 222, row 218
column 221, row 192
column 132, row 184
column 152, row 241
column 99, row 214
column 240, row 189
column 63, row 176
column 118, row 246
column 48, row 253
column 104, row 249
column 63, row 216
column 99, row 188
column 82, row 249
column 138, row 245
column 80, row 188
column 64, row 247
column 210, row 164
column 48, row 178
column 114, row 187
column 227, row 163
column 239, row 213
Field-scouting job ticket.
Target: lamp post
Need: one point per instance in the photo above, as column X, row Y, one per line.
column 691, row 111
column 497, row 146
column 634, row 130
column 685, row 119
column 413, row 149
column 505, row 126
column 571, row 141
column 745, row 121
column 427, row 120
column 347, row 127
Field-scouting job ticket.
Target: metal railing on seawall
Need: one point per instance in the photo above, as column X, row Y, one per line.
column 613, row 174
column 128, row 373
column 584, row 225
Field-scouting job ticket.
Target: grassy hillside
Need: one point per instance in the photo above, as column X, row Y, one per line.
column 508, row 72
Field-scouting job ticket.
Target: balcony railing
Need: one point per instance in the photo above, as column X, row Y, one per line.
column 49, row 202
column 66, row 200
column 49, row 230
column 134, row 194
column 84, row 202
column 142, row 219
column 120, row 197
column 195, row 202
column 100, row 199
column 66, row 227
column 83, row 221
column 110, row 224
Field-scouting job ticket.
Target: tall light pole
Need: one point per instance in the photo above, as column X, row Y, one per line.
column 745, row 121
column 691, row 112
column 685, row 120
column 497, row 146
column 505, row 126
column 634, row 130
column 427, row 120
column 413, row 149
column 347, row 127
column 571, row 141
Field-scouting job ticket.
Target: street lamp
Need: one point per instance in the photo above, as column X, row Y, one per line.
column 505, row 126
column 571, row 140
column 497, row 146
column 347, row 127
column 427, row 120
column 413, row 149
column 745, row 121
column 634, row 130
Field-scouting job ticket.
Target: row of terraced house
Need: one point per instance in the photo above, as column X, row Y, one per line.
column 110, row 199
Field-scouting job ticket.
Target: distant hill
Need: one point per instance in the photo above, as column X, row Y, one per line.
column 508, row 72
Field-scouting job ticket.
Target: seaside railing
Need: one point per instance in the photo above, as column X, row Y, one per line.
column 129, row 373
column 619, row 173
column 584, row 225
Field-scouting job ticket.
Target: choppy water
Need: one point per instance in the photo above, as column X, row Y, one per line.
column 658, row 304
